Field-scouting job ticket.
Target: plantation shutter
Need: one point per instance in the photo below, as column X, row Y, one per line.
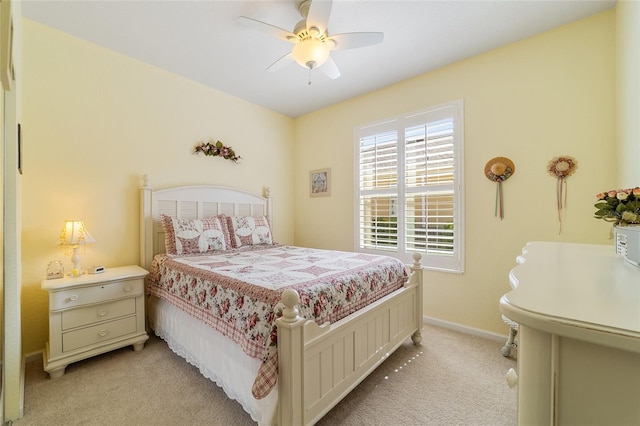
column 378, row 189
column 409, row 193
column 429, row 193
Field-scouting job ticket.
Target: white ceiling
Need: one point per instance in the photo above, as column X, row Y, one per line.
column 202, row 40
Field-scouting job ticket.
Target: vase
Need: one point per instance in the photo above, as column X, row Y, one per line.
column 627, row 243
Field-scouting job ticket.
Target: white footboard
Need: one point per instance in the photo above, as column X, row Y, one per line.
column 320, row 365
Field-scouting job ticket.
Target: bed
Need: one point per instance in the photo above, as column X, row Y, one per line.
column 320, row 355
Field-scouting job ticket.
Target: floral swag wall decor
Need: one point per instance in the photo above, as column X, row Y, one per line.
column 620, row 206
column 217, row 149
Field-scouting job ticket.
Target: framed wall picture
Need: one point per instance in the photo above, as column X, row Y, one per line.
column 320, row 182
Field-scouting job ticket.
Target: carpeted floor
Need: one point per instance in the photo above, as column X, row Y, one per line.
column 451, row 379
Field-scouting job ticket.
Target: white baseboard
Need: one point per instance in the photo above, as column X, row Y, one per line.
column 34, row 356
column 464, row 329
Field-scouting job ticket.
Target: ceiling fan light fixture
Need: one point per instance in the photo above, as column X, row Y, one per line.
column 310, row 53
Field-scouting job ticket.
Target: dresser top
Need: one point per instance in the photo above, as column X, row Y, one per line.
column 581, row 285
column 110, row 274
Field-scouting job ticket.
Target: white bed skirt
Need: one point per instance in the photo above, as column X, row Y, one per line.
column 217, row 357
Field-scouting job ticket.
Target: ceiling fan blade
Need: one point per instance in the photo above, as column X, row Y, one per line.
column 269, row 29
column 319, row 13
column 354, row 40
column 330, row 69
column 282, row 62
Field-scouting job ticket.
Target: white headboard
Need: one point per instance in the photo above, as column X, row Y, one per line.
column 191, row 202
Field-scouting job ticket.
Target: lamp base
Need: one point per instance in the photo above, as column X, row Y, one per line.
column 76, row 271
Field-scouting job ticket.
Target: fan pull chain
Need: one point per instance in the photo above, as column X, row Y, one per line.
column 309, row 77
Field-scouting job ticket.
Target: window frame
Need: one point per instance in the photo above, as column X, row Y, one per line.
column 455, row 262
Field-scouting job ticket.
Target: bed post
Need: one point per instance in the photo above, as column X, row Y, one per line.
column 290, row 363
column 269, row 209
column 146, row 224
column 416, row 279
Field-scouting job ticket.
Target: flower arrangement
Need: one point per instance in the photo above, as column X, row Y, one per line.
column 217, row 149
column 620, row 206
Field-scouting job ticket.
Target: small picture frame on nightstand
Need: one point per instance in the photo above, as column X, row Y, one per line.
column 55, row 270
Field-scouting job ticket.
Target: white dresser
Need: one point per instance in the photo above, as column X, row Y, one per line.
column 93, row 314
column 578, row 309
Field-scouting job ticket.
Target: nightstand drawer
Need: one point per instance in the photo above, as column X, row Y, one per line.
column 98, row 333
column 95, row 313
column 98, row 293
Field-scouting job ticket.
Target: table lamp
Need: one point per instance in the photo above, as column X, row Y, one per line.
column 74, row 234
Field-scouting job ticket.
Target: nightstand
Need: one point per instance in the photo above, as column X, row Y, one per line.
column 93, row 314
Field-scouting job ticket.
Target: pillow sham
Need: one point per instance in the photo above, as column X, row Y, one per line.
column 249, row 230
column 182, row 236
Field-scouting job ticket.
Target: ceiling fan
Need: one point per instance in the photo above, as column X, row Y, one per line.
column 311, row 40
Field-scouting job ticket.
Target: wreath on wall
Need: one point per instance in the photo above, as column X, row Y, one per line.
column 217, row 149
column 561, row 168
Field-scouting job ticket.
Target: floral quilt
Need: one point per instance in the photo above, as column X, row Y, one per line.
column 237, row 292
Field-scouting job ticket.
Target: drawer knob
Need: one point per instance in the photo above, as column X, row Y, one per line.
column 102, row 333
column 127, row 288
column 73, row 298
column 512, row 378
column 102, row 312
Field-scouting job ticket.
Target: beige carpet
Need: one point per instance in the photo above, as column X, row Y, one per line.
column 451, row 379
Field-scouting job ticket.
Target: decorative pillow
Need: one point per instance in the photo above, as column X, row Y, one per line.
column 249, row 230
column 183, row 236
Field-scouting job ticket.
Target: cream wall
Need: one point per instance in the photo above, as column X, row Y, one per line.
column 549, row 95
column 94, row 121
column 628, row 56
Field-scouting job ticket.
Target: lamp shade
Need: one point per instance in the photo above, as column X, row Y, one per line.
column 75, row 233
column 310, row 53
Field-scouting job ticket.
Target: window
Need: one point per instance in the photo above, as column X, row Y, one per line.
column 409, row 195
